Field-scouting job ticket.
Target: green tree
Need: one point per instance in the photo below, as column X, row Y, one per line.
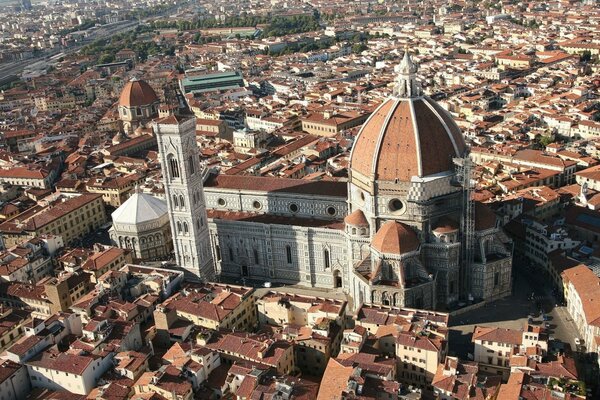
column 106, row 58
column 546, row 140
column 585, row 56
column 359, row 48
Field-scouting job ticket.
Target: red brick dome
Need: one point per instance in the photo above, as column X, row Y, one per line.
column 137, row 93
column 405, row 138
column 408, row 135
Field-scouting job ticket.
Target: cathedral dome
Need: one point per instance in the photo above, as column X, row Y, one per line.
column 137, row 93
column 395, row 238
column 357, row 218
column 408, row 135
column 139, row 209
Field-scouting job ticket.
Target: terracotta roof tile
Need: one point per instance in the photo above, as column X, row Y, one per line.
column 395, row 238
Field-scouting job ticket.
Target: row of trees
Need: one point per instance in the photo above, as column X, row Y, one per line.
column 107, row 48
column 273, row 25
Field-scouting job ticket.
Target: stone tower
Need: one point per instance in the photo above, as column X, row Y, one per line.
column 182, row 177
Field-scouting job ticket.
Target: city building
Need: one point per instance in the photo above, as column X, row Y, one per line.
column 417, row 339
column 14, row 382
column 68, row 217
column 458, row 380
column 212, row 81
column 581, row 292
column 495, row 346
column 75, row 373
column 211, row 305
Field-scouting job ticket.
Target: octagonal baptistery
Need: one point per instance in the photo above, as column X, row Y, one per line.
column 402, row 159
column 142, row 225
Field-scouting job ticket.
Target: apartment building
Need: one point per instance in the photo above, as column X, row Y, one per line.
column 66, row 289
column 330, row 122
column 456, row 379
column 211, row 305
column 95, row 262
column 12, row 322
column 76, row 372
column 314, row 324
column 24, row 176
column 23, row 295
column 541, row 240
column 114, row 190
column 279, row 308
column 14, row 382
column 359, row 376
column 29, row 262
column 418, row 339
column 262, row 349
column 495, row 346
column 69, row 217
column 582, row 293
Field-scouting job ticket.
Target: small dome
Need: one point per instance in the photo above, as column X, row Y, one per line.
column 395, row 238
column 445, row 225
column 138, row 209
column 137, row 93
column 357, row 218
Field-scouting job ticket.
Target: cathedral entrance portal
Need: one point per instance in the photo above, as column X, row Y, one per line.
column 244, row 270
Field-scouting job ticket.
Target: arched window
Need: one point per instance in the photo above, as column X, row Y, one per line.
column 173, row 166
column 185, row 228
column 255, row 256
column 288, row 253
column 178, row 227
column 191, row 165
column 175, row 201
column 181, row 202
column 230, row 254
column 218, row 251
column 326, row 259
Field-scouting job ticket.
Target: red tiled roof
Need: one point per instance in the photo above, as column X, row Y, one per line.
column 271, row 184
column 395, row 238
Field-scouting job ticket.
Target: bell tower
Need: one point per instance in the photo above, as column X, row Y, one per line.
column 182, row 177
